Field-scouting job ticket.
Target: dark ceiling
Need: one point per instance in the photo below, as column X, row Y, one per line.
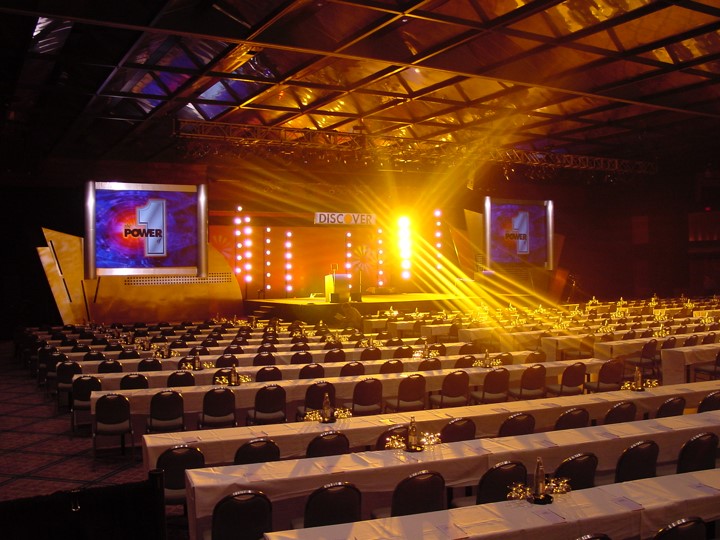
column 627, row 85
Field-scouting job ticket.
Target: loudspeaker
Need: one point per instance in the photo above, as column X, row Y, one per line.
column 356, row 297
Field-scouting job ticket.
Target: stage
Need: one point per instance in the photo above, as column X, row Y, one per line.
column 313, row 309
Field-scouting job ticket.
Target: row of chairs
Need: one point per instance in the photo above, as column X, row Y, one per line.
column 425, row 490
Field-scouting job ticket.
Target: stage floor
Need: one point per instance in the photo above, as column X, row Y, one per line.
column 312, row 309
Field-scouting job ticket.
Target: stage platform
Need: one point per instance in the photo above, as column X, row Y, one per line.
column 313, row 309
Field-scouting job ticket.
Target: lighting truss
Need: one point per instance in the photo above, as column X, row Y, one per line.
column 360, row 144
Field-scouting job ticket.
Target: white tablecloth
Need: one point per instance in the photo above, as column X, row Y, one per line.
column 674, row 362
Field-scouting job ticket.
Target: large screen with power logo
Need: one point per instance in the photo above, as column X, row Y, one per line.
column 519, row 232
column 145, row 229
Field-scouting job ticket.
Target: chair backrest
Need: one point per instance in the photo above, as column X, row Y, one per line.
column 270, row 399
column 264, row 358
column 648, row 349
column 576, row 417
column 669, row 342
column 315, row 394
column 404, row 351
column 709, row 338
column 258, row 450
column 465, row 361
column 268, row 373
column 149, row 364
column 83, row 386
column 429, row 364
column 126, row 354
column 497, row 381
column 67, row 370
column 331, row 504
column 399, row 430
column 698, row 453
column 637, row 461
column 352, row 369
column 412, row 388
column 371, row 353
column 674, row 406
column 112, row 409
column 711, row 402
column 456, row 384
column 517, row 424
column 266, row 346
column 134, row 381
column 301, row 357
column 335, row 355
column 497, row 481
column 579, row 470
column 311, row 371
column 394, row 342
column 691, row 341
column 332, row 344
column 439, row 347
column 181, row 378
column 392, row 366
column 368, row 392
column 234, row 348
column 423, row 491
column 175, row 461
column 533, row 378
column 621, row 412
column 458, row 429
column 611, row 372
column 573, row 375
column 167, row 412
column 300, row 346
column 244, row 515
column 218, row 402
column 110, row 366
column 94, row 356
column 536, row 356
column 689, row 528
column 630, row 334
column 329, row 443
column 226, row 360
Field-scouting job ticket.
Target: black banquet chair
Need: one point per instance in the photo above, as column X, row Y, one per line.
column 711, row 402
column 698, row 453
column 244, row 515
column 218, row 409
column 458, row 429
column 495, row 484
column 174, row 462
column 423, row 491
column 331, row 504
column 259, row 450
column 269, row 407
column 328, row 443
column 367, row 398
column 411, row 395
column 579, row 470
column 573, row 418
column 112, row 417
column 167, row 412
column 637, row 461
column 689, row 528
column 620, row 412
column 517, row 424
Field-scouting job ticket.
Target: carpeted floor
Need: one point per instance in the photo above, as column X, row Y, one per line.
column 39, row 454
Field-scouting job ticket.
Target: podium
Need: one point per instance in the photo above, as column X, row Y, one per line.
column 337, row 288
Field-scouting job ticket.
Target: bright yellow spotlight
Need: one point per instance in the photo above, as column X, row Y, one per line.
column 247, row 230
column 403, row 222
column 405, row 264
column 248, row 278
column 405, row 274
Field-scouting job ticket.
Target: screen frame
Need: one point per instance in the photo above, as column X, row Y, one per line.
column 90, row 244
column 489, row 202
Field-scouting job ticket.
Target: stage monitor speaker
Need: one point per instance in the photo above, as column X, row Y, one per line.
column 356, row 297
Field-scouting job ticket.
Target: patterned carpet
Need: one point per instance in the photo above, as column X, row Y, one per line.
column 39, row 454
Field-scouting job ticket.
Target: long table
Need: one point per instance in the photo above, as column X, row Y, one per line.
column 636, row 509
column 158, row 379
column 675, row 362
column 219, row 445
column 344, row 386
column 288, row 482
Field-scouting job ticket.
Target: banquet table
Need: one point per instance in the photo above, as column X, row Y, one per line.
column 677, row 364
column 288, row 482
column 219, row 445
column 158, row 379
column 344, row 386
column 636, row 509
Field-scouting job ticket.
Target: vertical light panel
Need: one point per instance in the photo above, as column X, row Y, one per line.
column 380, row 259
column 266, row 260
column 348, row 252
column 404, row 247
column 438, row 238
column 288, row 263
column 247, row 249
column 238, row 242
